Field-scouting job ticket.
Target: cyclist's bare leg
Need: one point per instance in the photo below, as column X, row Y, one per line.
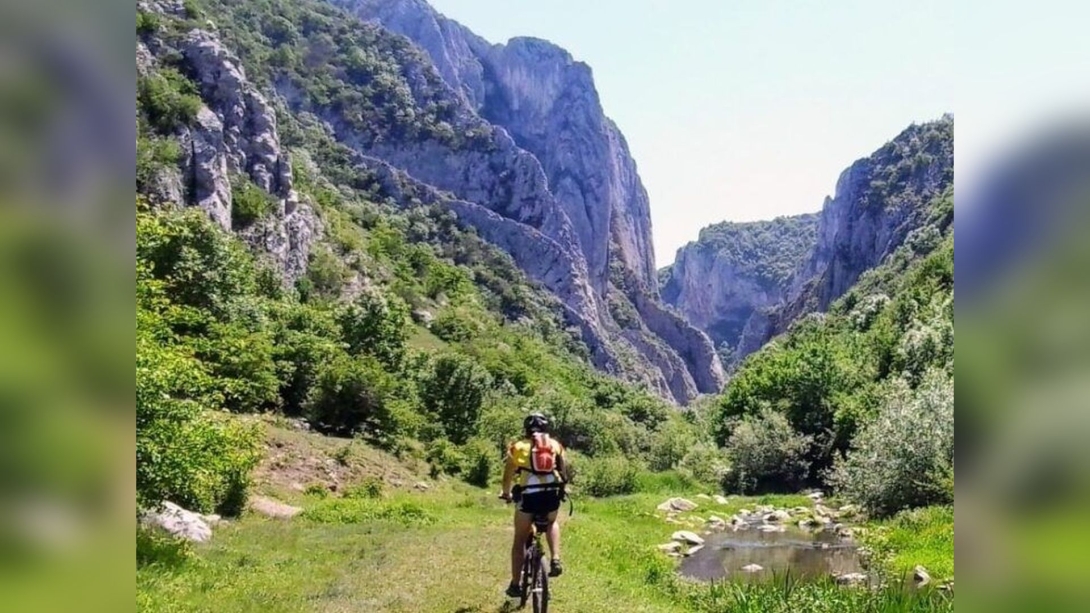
column 553, row 535
column 523, row 524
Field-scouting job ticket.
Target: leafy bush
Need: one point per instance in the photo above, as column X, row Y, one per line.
column 673, row 441
column 249, row 202
column 766, row 454
column 903, row 458
column 454, row 391
column 481, row 462
column 370, row 488
column 445, row 458
column 610, row 475
column 704, row 464
column 453, row 327
column 168, row 99
column 376, row 325
column 185, row 453
column 351, row 396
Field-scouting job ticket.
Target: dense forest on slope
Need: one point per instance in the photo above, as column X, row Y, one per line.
column 404, row 329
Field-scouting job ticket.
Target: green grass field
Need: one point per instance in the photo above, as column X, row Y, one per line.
column 446, row 549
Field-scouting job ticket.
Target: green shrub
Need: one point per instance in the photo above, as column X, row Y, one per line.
column 670, row 444
column 317, row 490
column 370, row 488
column 351, row 396
column 454, row 391
column 610, row 475
column 186, row 453
column 146, row 22
column 154, row 154
column 376, row 325
column 359, row 510
column 444, row 457
column 766, row 454
column 904, row 457
column 241, row 360
column 705, row 464
column 453, row 327
column 168, row 99
column 249, row 202
column 326, row 276
column 481, row 462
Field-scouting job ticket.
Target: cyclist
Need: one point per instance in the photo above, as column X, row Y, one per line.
column 538, row 461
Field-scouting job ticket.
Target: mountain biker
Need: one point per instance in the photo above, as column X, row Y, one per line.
column 539, row 491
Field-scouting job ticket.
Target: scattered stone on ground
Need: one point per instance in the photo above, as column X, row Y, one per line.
column 745, row 512
column 693, row 549
column 777, row 516
column 851, row 578
column 921, row 575
column 720, row 499
column 821, row 509
column 752, row 568
column 772, row 528
column 212, row 519
column 671, row 546
column 714, row 519
column 704, row 496
column 677, row 504
column 297, row 487
column 273, row 508
column 179, row 522
column 800, row 511
column 815, row 496
column 420, row 485
column 686, row 536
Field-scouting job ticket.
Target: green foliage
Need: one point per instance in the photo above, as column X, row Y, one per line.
column 766, row 454
column 904, row 457
column 370, row 488
column 705, row 464
column 249, row 202
column 168, row 99
column 155, row 548
column 358, row 510
column 185, row 453
column 154, row 154
column 378, row 326
column 609, row 475
column 454, row 391
column 351, row 396
column 481, row 462
column 146, row 23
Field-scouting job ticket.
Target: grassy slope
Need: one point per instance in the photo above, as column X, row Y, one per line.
column 456, row 562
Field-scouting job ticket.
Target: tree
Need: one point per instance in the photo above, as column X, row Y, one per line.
column 454, row 391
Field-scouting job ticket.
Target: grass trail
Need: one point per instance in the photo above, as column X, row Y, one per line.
column 446, row 550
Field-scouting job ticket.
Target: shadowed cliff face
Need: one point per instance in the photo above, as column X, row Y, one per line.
column 557, row 164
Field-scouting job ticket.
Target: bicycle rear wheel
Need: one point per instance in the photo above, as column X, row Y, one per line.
column 540, row 585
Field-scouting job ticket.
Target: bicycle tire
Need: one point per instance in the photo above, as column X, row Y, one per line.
column 527, row 573
column 541, row 585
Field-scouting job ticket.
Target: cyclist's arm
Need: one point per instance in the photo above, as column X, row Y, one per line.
column 509, row 468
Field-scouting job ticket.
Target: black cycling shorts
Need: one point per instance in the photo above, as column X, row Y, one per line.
column 541, row 502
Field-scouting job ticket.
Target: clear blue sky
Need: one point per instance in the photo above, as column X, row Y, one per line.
column 742, row 110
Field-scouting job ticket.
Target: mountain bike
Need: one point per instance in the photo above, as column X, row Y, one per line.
column 534, row 579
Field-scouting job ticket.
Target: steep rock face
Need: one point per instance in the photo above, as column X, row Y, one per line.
column 234, row 135
column 735, row 270
column 879, row 200
column 553, row 162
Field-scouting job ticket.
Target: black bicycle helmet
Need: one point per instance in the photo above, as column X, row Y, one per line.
column 535, row 422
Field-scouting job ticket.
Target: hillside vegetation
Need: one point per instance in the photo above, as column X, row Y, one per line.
column 861, row 397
